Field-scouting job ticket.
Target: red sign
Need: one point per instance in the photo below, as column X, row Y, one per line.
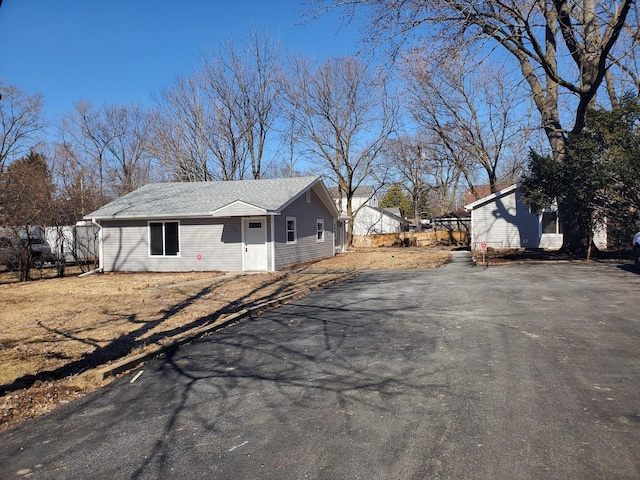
column 483, row 246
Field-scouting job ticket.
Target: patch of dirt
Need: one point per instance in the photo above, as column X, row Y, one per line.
column 56, row 331
column 498, row 257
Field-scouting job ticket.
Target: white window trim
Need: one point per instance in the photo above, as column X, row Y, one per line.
column 557, row 221
column 320, row 221
column 308, row 196
column 295, row 230
column 164, row 255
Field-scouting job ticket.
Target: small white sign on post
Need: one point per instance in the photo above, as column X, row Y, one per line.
column 483, row 247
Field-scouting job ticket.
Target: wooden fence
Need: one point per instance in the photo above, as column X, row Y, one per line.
column 419, row 239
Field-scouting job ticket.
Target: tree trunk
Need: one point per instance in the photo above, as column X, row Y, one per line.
column 572, row 236
column 350, row 222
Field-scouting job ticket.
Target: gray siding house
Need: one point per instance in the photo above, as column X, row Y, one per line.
column 502, row 220
column 246, row 225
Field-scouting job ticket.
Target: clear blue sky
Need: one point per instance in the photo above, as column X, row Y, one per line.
column 119, row 51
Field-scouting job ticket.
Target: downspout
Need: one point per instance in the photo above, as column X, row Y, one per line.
column 273, row 243
column 100, row 246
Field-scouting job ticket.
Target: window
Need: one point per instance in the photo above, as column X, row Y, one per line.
column 164, row 238
column 550, row 223
column 320, row 231
column 291, row 231
column 255, row 224
column 308, row 196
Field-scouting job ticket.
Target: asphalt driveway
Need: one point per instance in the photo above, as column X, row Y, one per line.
column 514, row 372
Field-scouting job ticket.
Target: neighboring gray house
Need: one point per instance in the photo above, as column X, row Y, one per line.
column 247, row 225
column 503, row 220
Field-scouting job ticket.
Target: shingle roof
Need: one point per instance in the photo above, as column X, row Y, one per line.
column 482, row 191
column 200, row 199
column 490, row 197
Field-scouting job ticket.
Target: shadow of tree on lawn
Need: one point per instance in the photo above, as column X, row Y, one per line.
column 126, row 343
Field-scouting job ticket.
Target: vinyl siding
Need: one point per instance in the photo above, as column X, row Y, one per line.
column 217, row 242
column 306, row 248
column 240, row 209
column 505, row 222
column 370, row 221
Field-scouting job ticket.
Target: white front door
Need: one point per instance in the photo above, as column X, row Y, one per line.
column 255, row 243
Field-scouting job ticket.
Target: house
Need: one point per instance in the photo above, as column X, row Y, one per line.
column 374, row 220
column 502, row 220
column 368, row 217
column 247, row 225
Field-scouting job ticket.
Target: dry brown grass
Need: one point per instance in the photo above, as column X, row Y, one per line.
column 54, row 331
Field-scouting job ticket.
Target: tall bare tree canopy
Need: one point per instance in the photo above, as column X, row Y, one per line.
column 476, row 117
column 427, row 173
column 216, row 123
column 558, row 45
column 344, row 116
column 111, row 142
column 247, row 80
column 21, row 122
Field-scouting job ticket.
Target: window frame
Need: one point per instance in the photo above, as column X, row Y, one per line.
column 320, row 230
column 555, row 221
column 164, row 232
column 294, row 231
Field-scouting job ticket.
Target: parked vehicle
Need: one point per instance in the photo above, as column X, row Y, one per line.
column 17, row 247
column 636, row 250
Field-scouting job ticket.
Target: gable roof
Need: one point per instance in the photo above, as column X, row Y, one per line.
column 207, row 199
column 482, row 191
column 393, row 213
column 493, row 196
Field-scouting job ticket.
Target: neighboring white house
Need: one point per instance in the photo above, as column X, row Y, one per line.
column 368, row 217
column 503, row 220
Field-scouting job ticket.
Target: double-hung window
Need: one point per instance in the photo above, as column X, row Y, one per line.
column 291, row 231
column 551, row 222
column 320, row 230
column 164, row 239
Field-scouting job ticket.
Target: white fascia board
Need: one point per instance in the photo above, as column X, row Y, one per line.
column 243, row 210
column 493, row 196
column 148, row 217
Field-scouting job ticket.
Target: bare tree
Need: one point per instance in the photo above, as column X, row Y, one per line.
column 345, row 117
column 246, row 82
column 557, row 46
column 21, row 121
column 74, row 182
column 215, row 124
column 474, row 113
column 408, row 168
column 79, row 138
column 195, row 135
column 111, row 142
column 130, row 165
column 428, row 176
